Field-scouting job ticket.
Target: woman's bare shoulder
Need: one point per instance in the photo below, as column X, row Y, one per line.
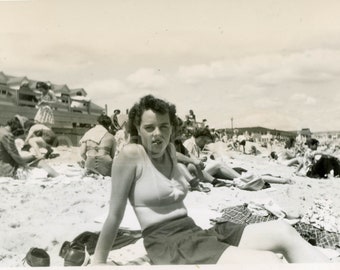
column 131, row 149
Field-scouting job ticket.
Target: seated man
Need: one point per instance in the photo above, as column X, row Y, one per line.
column 98, row 146
column 316, row 164
column 10, row 158
column 196, row 144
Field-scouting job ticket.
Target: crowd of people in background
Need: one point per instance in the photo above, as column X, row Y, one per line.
column 103, row 142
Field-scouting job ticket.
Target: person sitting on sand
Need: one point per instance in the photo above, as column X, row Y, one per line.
column 316, row 164
column 196, row 144
column 146, row 174
column 40, row 139
column 98, row 146
column 10, row 158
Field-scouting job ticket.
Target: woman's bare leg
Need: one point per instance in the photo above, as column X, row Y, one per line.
column 247, row 256
column 43, row 165
column 276, row 180
column 221, row 170
column 280, row 237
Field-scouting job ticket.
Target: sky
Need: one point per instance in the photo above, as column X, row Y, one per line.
column 274, row 64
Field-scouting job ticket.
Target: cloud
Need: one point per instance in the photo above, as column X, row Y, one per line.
column 303, row 99
column 310, row 66
column 146, row 78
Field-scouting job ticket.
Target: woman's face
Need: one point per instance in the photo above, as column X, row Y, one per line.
column 155, row 132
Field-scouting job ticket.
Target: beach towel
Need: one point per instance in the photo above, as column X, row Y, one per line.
column 95, row 134
column 241, row 214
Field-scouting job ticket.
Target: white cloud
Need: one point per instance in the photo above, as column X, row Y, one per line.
column 146, row 78
column 303, row 99
column 306, row 66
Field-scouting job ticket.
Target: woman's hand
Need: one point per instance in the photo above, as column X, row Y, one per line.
column 198, row 163
column 204, row 159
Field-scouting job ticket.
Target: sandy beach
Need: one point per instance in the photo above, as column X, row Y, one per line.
column 42, row 212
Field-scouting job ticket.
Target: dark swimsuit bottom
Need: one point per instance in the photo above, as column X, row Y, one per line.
column 181, row 241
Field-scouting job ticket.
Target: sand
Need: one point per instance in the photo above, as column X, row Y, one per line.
column 41, row 212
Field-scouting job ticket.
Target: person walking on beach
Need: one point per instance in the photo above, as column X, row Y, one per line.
column 98, row 146
column 146, row 173
column 44, row 114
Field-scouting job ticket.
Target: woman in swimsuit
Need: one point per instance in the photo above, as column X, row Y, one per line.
column 98, row 146
column 146, row 173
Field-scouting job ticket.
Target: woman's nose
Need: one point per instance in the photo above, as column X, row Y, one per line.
column 156, row 131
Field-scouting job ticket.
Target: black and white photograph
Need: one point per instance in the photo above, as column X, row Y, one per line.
column 188, row 133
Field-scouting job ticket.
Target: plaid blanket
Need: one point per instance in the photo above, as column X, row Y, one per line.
column 240, row 214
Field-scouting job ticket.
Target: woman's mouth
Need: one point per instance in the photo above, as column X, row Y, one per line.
column 157, row 142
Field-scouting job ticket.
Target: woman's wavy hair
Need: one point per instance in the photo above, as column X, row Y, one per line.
column 148, row 102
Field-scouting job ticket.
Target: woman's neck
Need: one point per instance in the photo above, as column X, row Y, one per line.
column 157, row 158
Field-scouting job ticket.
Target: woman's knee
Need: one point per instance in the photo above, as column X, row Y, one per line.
column 276, row 236
column 284, row 229
column 285, row 235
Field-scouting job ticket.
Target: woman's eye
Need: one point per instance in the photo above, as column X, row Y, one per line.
column 149, row 129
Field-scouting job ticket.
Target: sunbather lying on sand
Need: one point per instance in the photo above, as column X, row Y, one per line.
column 10, row 158
column 146, row 173
column 216, row 169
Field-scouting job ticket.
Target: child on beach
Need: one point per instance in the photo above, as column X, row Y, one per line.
column 146, row 173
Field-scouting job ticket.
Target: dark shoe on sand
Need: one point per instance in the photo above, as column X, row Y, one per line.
column 76, row 255
column 37, row 257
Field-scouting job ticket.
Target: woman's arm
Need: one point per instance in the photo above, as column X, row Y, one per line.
column 123, row 175
column 9, row 144
column 185, row 159
column 114, row 146
column 82, row 150
column 53, row 97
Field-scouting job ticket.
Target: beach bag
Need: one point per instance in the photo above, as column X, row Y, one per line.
column 248, row 181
